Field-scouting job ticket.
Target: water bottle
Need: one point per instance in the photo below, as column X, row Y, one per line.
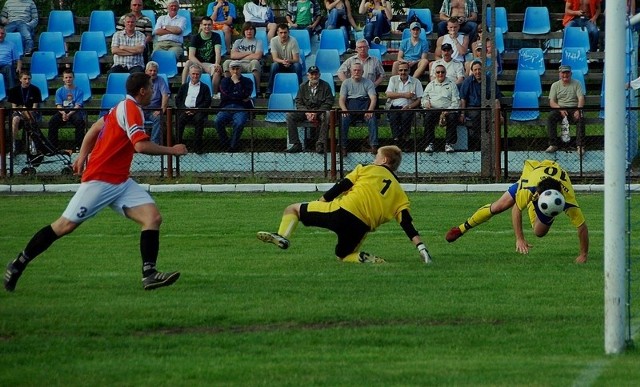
column 565, row 130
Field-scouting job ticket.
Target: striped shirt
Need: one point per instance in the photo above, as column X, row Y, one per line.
column 20, row 10
column 121, row 38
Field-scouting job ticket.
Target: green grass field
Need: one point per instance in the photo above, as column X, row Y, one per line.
column 246, row 313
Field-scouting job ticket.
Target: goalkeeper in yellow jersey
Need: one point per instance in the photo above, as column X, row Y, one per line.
column 367, row 197
column 537, row 177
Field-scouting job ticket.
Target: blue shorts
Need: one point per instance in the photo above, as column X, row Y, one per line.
column 544, row 219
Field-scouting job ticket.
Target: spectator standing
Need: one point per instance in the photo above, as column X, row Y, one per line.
column 566, row 97
column 285, row 54
column 584, row 13
column 372, row 67
column 169, row 29
column 378, row 19
column 143, row 24
column 304, row 14
column 155, row 111
column 21, row 16
column 248, row 51
column 235, row 101
column 10, row 62
column 339, row 15
column 459, row 43
column 440, row 94
column 358, row 94
column 403, row 95
column 260, row 14
column 413, row 50
column 223, row 15
column 69, row 99
column 205, row 51
column 24, row 95
column 193, row 95
column 455, row 69
column 315, row 94
column 465, row 13
column 127, row 47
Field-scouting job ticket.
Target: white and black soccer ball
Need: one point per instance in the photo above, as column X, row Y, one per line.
column 551, row 203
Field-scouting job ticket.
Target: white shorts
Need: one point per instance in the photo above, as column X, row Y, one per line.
column 93, row 196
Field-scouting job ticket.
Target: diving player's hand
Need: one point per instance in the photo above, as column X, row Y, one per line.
column 522, row 246
column 582, row 258
column 424, row 253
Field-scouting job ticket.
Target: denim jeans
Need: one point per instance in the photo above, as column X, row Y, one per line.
column 381, row 26
column 25, row 32
column 337, row 18
column 156, row 126
column 238, row 118
column 592, row 30
column 358, row 104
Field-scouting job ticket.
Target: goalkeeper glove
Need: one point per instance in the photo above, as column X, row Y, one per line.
column 424, row 253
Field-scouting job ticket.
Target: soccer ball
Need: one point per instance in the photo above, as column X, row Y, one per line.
column 551, row 203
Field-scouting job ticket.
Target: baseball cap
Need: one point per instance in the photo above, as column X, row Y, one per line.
column 313, row 69
column 235, row 63
column 564, row 68
column 415, row 25
column 446, row 47
column 479, row 46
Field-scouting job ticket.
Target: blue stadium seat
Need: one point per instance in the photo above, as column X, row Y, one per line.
column 167, row 63
column 110, row 100
column 117, row 83
column 328, row 77
column 304, row 41
column 531, row 59
column 82, row 82
column 536, row 21
column 576, row 57
column 61, row 21
column 499, row 40
column 286, row 83
column 381, row 47
column 406, row 34
column 87, row 62
column 501, row 19
column 376, row 53
column 528, row 80
column 3, row 91
column 151, row 14
column 579, row 76
column 16, row 39
column 328, row 60
column 525, row 100
column 166, row 79
column 333, row 39
column 52, row 41
column 223, row 46
column 206, row 79
column 94, row 41
column 279, row 101
column 40, row 81
column 254, row 93
column 44, row 62
column 261, row 34
column 188, row 27
column 104, row 21
column 424, row 15
column 576, row 37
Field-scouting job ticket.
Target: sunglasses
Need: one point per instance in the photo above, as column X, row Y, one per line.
column 441, row 72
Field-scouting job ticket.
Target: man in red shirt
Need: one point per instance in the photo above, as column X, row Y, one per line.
column 108, row 149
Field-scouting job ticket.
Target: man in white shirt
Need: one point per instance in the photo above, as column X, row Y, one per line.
column 441, row 94
column 193, row 94
column 455, row 70
column 403, row 95
column 169, row 30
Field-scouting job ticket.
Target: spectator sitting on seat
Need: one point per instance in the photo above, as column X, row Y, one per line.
column 403, row 95
column 339, row 15
column 143, row 24
column 372, row 67
column 478, row 40
column 413, row 51
column 204, row 51
column 285, row 54
column 10, row 62
column 21, row 16
column 127, row 47
column 439, row 94
column 235, row 100
column 69, row 99
column 358, row 94
column 223, row 15
column 193, row 95
column 584, row 13
column 566, row 98
column 459, row 43
column 315, row 94
column 248, row 51
column 169, row 29
column 304, row 14
column 455, row 69
column 260, row 14
column 378, row 19
column 471, row 96
column 24, row 95
column 157, row 107
column 477, row 55
column 465, row 13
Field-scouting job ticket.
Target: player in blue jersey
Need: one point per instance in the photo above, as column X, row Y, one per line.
column 537, row 177
column 367, row 197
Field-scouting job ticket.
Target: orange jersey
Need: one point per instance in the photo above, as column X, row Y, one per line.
column 110, row 159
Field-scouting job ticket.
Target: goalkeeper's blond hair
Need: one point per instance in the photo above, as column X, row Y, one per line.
column 394, row 154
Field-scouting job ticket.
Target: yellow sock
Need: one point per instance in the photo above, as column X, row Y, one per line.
column 480, row 216
column 288, row 225
column 352, row 258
